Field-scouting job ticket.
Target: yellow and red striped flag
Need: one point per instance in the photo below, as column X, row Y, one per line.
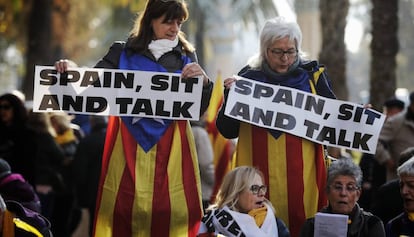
column 293, row 168
column 154, row 192
column 222, row 147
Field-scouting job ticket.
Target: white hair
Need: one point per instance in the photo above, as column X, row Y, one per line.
column 275, row 29
column 407, row 168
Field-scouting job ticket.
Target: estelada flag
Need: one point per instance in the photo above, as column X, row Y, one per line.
column 293, row 168
column 223, row 148
column 146, row 188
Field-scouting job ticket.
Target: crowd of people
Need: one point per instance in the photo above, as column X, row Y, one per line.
column 130, row 176
column 54, row 147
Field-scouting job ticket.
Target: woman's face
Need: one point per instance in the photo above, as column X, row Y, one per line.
column 407, row 192
column 281, row 54
column 343, row 193
column 166, row 30
column 6, row 112
column 248, row 200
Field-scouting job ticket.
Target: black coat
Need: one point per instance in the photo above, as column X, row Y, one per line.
column 363, row 224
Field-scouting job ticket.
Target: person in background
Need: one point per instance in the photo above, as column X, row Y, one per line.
column 294, row 167
column 87, row 170
column 205, row 157
column 50, row 156
column 18, row 221
column 403, row 224
column 68, row 142
column 83, row 121
column 17, row 141
column 387, row 201
column 14, row 187
column 373, row 173
column 49, row 184
column 63, row 213
column 150, row 179
column 393, row 106
column 344, row 189
column 397, row 134
column 241, row 208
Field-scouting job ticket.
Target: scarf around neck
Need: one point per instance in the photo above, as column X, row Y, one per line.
column 268, row 70
column 162, row 46
column 259, row 215
column 227, row 222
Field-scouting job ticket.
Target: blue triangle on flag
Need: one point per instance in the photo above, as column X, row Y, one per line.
column 146, row 131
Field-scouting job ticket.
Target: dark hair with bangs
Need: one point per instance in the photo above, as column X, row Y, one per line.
column 142, row 33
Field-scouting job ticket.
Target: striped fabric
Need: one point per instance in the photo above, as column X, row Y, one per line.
column 294, row 169
column 222, row 147
column 223, row 152
column 154, row 193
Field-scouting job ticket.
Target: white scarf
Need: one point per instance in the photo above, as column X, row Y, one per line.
column 232, row 223
column 160, row 47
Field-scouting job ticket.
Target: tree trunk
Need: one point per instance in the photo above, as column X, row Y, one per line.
column 46, row 32
column 333, row 51
column 384, row 48
column 38, row 41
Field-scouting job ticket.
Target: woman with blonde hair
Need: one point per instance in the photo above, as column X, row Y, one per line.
column 241, row 208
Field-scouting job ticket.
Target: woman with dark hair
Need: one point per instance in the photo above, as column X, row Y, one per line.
column 17, row 140
column 150, row 184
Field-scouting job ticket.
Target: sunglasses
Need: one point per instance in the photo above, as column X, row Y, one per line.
column 5, row 107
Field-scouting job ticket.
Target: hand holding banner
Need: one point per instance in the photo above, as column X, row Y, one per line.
column 117, row 92
column 326, row 121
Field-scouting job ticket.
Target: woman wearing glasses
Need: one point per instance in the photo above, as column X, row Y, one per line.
column 241, row 209
column 343, row 190
column 150, row 184
column 294, row 167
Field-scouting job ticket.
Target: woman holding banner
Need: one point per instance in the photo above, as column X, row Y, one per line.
column 293, row 167
column 150, row 184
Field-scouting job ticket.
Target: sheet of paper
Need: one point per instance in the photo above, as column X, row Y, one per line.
column 330, row 225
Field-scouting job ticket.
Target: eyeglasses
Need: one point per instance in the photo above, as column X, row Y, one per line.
column 349, row 188
column 255, row 189
column 290, row 53
column 5, row 107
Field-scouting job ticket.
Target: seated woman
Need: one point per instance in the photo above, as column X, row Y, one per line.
column 241, row 208
column 403, row 224
column 343, row 191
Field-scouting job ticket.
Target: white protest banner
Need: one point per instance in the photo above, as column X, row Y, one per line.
column 326, row 121
column 117, row 92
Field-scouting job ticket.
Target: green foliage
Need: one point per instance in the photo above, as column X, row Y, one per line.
column 12, row 13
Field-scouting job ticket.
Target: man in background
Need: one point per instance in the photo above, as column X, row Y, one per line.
column 374, row 173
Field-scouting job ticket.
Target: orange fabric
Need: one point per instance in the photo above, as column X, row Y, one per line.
column 8, row 224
